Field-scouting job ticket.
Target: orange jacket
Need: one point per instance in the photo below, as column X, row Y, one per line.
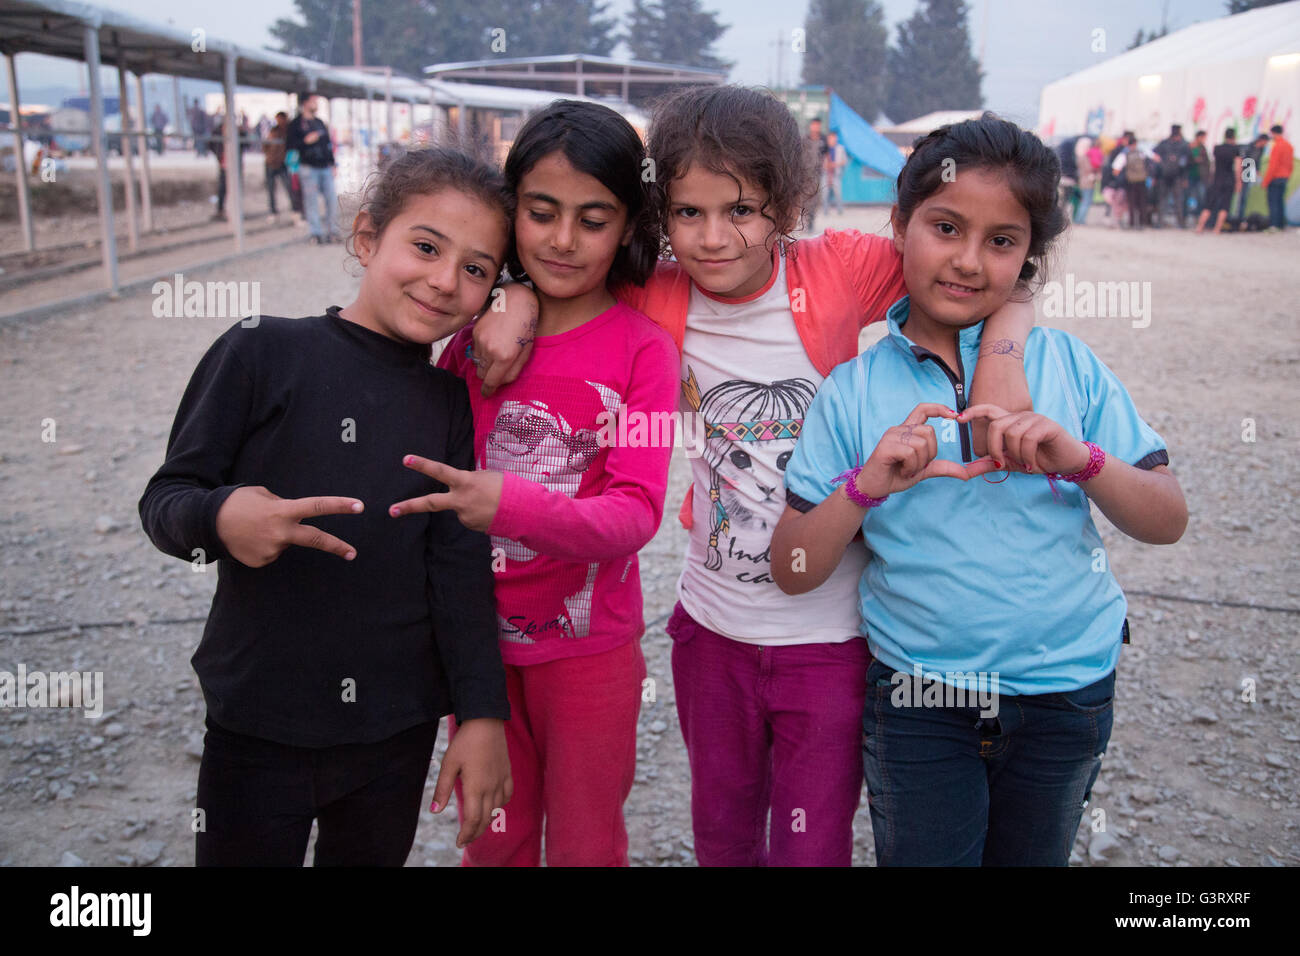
column 1281, row 158
column 838, row 283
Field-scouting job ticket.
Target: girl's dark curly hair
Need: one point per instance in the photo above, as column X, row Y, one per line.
column 734, row 131
column 422, row 171
column 599, row 142
column 1033, row 173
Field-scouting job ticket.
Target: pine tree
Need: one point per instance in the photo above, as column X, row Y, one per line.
column 930, row 66
column 674, row 31
column 845, row 49
column 1241, row 6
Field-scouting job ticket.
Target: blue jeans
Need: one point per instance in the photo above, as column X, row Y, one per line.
column 1276, row 210
column 1085, row 203
column 317, row 184
column 948, row 788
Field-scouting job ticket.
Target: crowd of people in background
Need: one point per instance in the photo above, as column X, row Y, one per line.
column 1177, row 181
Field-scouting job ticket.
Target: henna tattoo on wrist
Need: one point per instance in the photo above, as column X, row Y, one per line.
column 1003, row 347
column 520, row 340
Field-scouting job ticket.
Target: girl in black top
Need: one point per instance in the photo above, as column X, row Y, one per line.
column 338, row 636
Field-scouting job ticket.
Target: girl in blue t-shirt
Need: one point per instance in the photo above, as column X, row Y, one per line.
column 993, row 619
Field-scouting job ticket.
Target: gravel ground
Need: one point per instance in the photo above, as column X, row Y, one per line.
column 1195, row 774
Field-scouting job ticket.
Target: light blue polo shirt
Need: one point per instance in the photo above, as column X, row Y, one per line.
column 975, row 576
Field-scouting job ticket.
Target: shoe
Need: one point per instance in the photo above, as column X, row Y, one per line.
column 316, row 240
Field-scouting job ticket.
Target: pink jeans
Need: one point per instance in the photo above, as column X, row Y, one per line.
column 572, row 742
column 774, row 729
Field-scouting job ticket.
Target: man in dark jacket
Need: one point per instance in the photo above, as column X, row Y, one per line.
column 1171, row 176
column 311, row 138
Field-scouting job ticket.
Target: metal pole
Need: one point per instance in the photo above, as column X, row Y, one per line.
column 234, row 168
column 20, row 165
column 103, row 191
column 145, row 182
column 388, row 101
column 182, row 121
column 372, row 146
column 132, row 215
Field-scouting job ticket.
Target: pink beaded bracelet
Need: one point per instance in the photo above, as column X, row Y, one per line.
column 856, row 496
column 1096, row 458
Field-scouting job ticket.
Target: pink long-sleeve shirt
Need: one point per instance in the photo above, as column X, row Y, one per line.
column 583, row 487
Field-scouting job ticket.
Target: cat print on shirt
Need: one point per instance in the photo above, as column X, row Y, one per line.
column 739, row 416
column 536, row 441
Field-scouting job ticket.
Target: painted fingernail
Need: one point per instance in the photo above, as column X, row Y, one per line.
column 435, row 806
column 395, row 511
column 408, row 459
column 999, row 464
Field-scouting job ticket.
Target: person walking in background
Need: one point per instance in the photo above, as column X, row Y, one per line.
column 217, row 146
column 1227, row 181
column 816, row 148
column 1112, row 187
column 310, row 137
column 1132, row 169
column 1252, row 161
column 1068, row 185
column 201, row 124
column 1087, row 160
column 1171, row 177
column 274, row 152
column 1198, row 171
column 158, row 120
column 1281, row 158
column 835, row 161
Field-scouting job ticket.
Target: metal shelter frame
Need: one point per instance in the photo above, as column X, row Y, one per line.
column 98, row 37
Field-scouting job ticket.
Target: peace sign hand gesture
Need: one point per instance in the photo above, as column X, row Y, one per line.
column 473, row 495
column 257, row 526
column 907, row 454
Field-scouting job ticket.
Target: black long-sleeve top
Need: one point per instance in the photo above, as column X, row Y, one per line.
column 312, row 650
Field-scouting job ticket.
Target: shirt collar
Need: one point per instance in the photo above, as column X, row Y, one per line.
column 968, row 338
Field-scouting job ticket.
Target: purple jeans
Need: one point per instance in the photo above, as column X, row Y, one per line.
column 774, row 729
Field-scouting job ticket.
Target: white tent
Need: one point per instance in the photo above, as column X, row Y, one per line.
column 1241, row 71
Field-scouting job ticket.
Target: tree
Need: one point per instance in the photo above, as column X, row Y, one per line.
column 845, row 49
column 1142, row 38
column 1241, row 6
column 409, row 35
column 674, row 31
column 548, row 27
column 930, row 66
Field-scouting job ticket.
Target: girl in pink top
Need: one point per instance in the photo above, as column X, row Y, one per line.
column 769, row 687
column 567, row 506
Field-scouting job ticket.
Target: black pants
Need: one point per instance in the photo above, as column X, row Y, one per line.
column 259, row 798
column 282, row 175
column 1137, row 203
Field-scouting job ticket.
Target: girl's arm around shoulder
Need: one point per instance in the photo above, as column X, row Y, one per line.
column 873, row 265
column 626, row 514
column 502, row 337
column 999, row 376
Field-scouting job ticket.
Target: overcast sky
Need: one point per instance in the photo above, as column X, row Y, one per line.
column 1025, row 43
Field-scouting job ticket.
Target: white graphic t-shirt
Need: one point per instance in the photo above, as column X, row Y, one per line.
column 745, row 371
